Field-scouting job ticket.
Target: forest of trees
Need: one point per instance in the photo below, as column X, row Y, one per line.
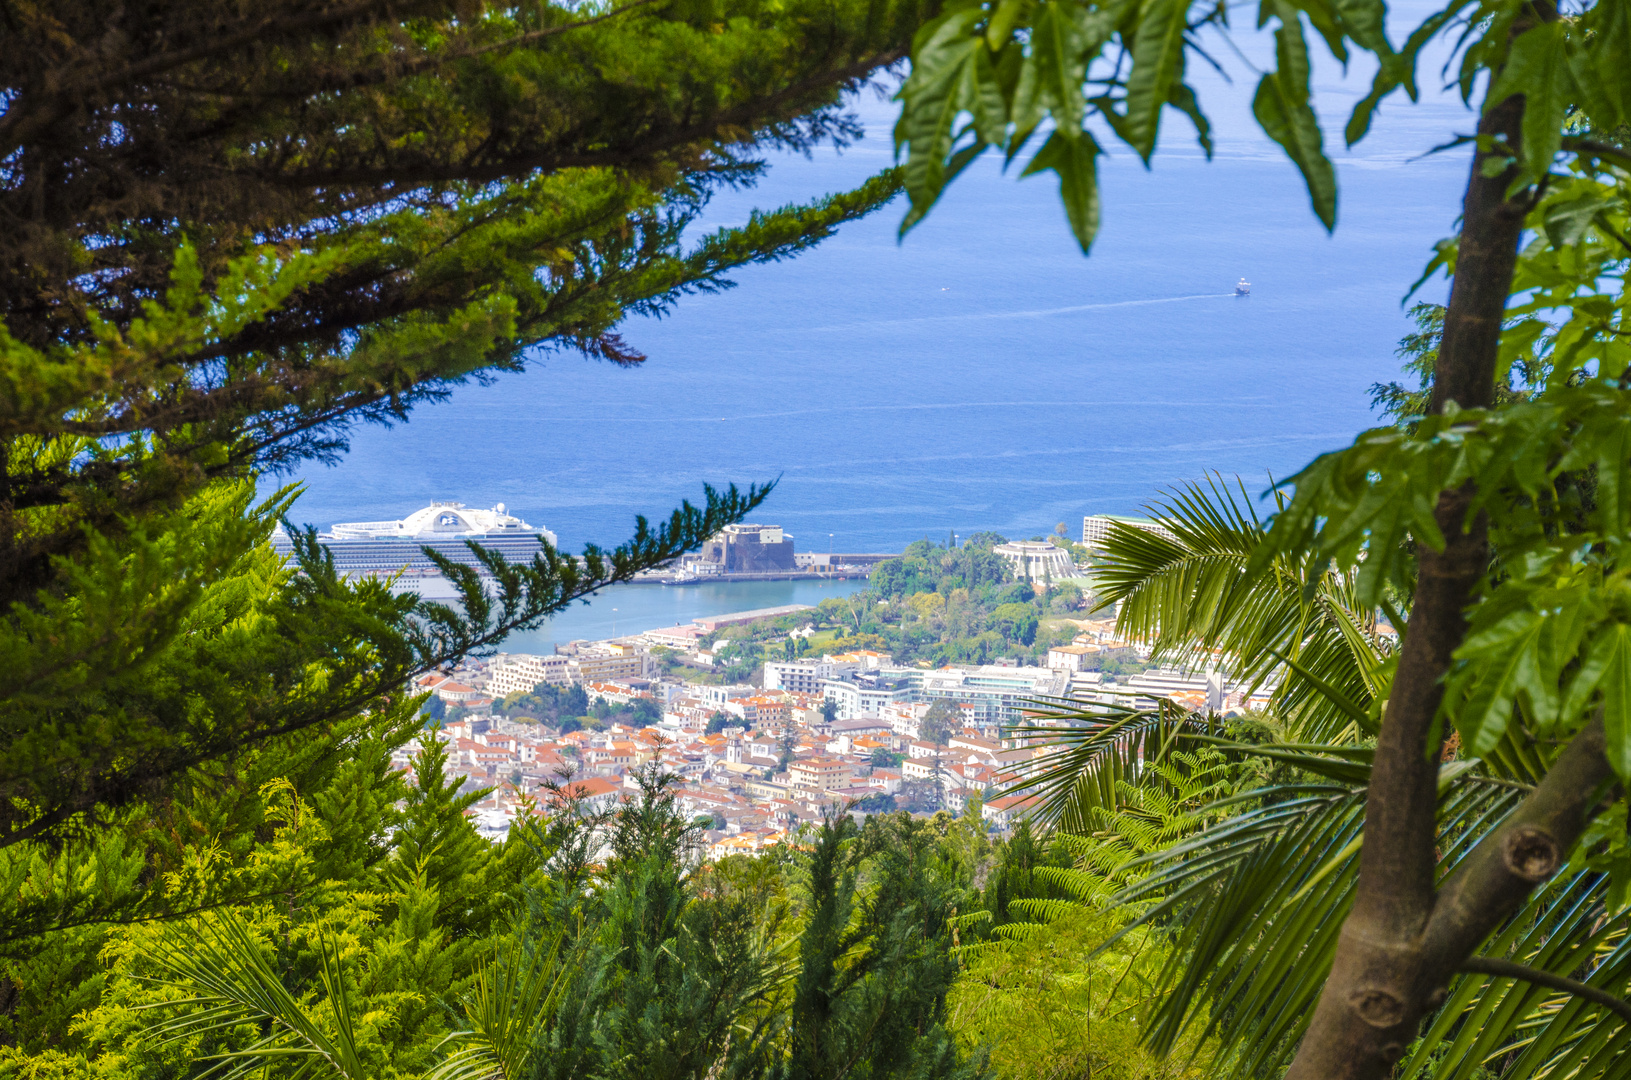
column 236, row 231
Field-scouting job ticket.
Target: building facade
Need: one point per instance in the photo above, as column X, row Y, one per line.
column 1096, row 527
column 1036, row 561
column 513, row 673
column 749, row 549
column 805, row 676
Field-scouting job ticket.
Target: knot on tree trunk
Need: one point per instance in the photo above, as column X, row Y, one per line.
column 1531, row 853
column 1377, row 1006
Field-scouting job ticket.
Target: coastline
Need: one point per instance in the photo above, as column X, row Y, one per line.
column 635, row 608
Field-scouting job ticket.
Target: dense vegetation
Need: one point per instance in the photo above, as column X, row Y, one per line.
column 238, row 231
column 1491, row 531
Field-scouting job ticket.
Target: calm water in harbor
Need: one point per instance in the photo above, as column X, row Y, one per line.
column 628, row 609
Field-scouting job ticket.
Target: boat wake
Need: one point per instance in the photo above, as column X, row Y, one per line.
column 1036, row 313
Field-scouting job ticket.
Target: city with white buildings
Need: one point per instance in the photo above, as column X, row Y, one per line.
column 843, row 730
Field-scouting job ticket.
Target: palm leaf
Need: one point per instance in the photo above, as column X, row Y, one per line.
column 1188, row 594
column 232, row 984
column 1535, row 1030
column 507, row 1013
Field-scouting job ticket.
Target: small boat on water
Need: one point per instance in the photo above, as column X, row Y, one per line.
column 1243, row 287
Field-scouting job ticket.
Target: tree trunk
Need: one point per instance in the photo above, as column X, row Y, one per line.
column 1403, row 941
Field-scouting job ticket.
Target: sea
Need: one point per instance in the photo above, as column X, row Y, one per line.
column 979, row 374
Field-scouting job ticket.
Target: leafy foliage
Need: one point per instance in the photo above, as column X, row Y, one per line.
column 239, row 232
column 225, row 647
column 607, row 949
column 1242, row 852
column 996, row 75
column 1186, row 592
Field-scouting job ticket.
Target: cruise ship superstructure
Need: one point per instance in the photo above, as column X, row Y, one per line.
column 389, row 547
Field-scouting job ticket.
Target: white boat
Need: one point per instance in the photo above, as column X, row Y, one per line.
column 1243, row 287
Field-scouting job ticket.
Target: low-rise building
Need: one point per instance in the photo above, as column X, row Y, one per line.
column 1034, row 561
column 819, row 773
column 1071, row 657
column 594, row 793
column 675, row 637
column 919, row 769
column 1005, row 812
column 512, row 673
column 455, row 693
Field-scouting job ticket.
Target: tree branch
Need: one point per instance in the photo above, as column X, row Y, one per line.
column 1506, row 969
column 25, row 119
column 1493, row 881
column 723, row 126
column 1383, row 979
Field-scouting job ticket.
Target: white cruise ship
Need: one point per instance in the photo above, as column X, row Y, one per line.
column 389, row 547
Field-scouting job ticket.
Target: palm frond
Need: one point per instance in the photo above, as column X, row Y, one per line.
column 1086, row 752
column 1534, row 1030
column 1189, row 595
column 232, row 985
column 506, row 1012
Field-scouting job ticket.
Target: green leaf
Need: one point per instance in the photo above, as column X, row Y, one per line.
column 982, row 94
column 1359, row 122
column 1616, row 689
column 1324, row 17
column 1537, row 66
column 1396, row 70
column 1282, row 109
column 938, row 90
column 1158, row 63
column 1076, row 162
column 1001, row 26
column 1365, row 21
column 1612, row 494
column 1057, row 57
column 1507, row 662
column 1589, row 676
column 1609, row 45
column 1183, row 99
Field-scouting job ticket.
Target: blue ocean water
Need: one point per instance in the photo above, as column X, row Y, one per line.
column 982, row 374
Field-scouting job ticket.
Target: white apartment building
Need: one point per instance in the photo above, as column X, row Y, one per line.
column 520, row 672
column 512, row 673
column 1096, row 527
column 997, row 695
column 805, row 676
column 1191, row 687
column 609, row 663
column 1037, row 561
column 718, row 695
column 855, row 700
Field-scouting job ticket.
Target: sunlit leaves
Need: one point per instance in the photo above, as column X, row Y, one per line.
column 992, row 75
column 1075, row 160
column 1013, row 65
column 1549, row 639
column 1158, row 63
column 1538, row 67
column 1282, row 109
